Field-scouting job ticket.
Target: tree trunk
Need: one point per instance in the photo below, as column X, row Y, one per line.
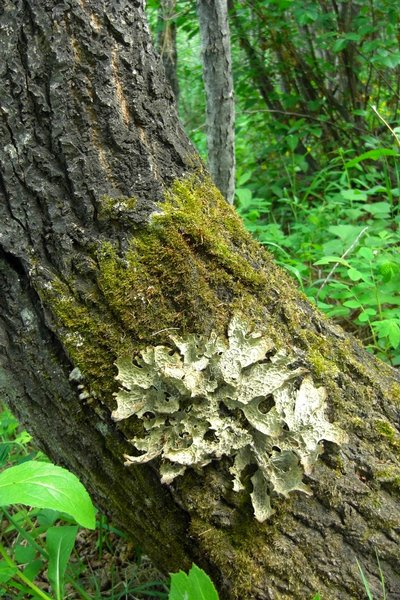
column 218, row 83
column 167, row 42
column 270, row 437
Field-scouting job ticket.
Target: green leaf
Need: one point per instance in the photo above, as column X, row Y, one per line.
column 378, row 209
column 340, row 44
column 394, row 335
column 47, row 517
column 354, row 195
column 244, row 178
column 365, row 582
column 24, row 554
column 44, row 485
column 6, row 571
column 347, row 233
column 390, row 329
column 354, row 274
column 390, row 60
column 366, row 253
column 292, row 141
column 352, row 304
column 388, row 270
column 371, row 155
column 32, row 570
column 59, row 544
column 365, row 315
column 244, row 195
column 332, row 259
column 195, row 586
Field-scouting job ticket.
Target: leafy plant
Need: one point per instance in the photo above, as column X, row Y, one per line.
column 39, row 544
column 44, row 485
column 339, row 236
column 196, row 585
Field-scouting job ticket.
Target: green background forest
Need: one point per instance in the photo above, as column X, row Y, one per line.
column 317, row 146
column 317, row 87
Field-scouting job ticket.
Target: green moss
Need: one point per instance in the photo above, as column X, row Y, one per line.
column 394, row 393
column 321, row 366
column 389, row 474
column 121, row 211
column 189, row 269
column 385, row 429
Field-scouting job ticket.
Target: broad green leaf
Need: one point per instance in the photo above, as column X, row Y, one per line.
column 292, row 141
column 244, row 177
column 352, row 304
column 354, row 195
column 394, row 335
column 389, row 328
column 379, row 209
column 44, row 485
column 244, row 195
column 24, row 554
column 388, row 270
column 47, row 517
column 195, row 586
column 365, row 315
column 6, row 571
column 371, row 155
column 390, row 60
column 366, row 253
column 326, row 260
column 59, row 544
column 354, row 274
column 340, row 44
column 347, row 233
column 252, row 215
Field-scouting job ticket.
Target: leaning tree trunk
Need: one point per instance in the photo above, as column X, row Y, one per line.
column 220, row 103
column 153, row 348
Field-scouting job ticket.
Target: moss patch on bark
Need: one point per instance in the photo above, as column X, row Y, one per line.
column 188, row 270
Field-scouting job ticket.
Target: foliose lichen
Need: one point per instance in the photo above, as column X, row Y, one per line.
column 204, row 398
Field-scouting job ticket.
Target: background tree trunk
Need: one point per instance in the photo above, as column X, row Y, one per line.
column 166, row 41
column 111, row 239
column 220, row 104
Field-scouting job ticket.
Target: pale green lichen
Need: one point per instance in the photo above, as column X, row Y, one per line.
column 208, row 397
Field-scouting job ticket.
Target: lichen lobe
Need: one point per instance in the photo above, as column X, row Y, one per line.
column 203, row 398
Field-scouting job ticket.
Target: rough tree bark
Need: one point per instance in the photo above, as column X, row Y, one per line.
column 112, row 238
column 218, row 83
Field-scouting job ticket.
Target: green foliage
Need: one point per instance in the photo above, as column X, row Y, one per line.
column 338, row 233
column 41, row 485
column 37, row 544
column 59, row 544
column 366, row 584
column 44, row 485
column 196, row 585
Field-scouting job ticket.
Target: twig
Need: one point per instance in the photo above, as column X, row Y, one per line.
column 335, row 266
column 386, row 123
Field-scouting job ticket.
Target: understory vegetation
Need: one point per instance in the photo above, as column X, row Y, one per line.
column 317, row 148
